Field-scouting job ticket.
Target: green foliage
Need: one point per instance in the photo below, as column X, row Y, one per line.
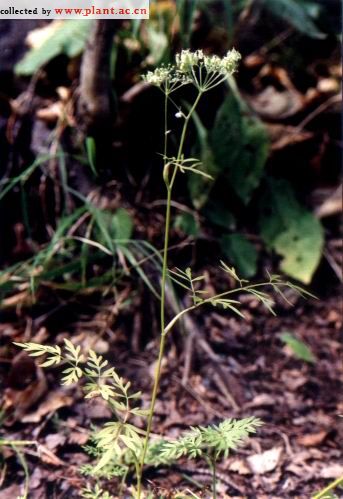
column 291, row 230
column 219, row 215
column 299, row 348
column 214, row 440
column 68, row 38
column 8, row 184
column 186, row 280
column 187, row 223
column 117, row 437
column 91, row 154
column 62, row 263
column 235, row 151
column 95, row 493
column 241, row 253
column 186, row 10
column 200, row 188
column 298, row 13
column 118, row 444
column 122, row 224
column 240, row 145
column 329, row 492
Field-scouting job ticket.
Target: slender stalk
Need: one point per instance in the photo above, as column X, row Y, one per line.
column 214, row 478
column 323, row 493
column 163, row 334
column 211, row 461
column 139, row 475
column 23, row 462
column 169, row 185
column 165, row 149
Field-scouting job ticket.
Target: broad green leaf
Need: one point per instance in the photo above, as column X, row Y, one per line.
column 291, row 230
column 114, row 226
column 68, row 38
column 240, row 145
column 123, row 224
column 218, row 214
column 299, row 348
column 187, row 223
column 241, row 253
column 297, row 13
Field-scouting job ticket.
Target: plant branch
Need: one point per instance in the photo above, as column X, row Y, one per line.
column 247, row 288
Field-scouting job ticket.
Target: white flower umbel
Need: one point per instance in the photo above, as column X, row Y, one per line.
column 207, row 71
column 167, row 79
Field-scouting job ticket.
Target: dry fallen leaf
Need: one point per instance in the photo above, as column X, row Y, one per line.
column 312, row 439
column 54, row 401
column 37, row 37
column 239, row 466
column 11, row 492
column 283, row 136
column 333, row 470
column 271, row 103
column 76, row 437
column 265, row 462
column 27, row 384
column 262, row 399
column 54, row 440
column 293, row 379
column 51, row 113
column 47, row 456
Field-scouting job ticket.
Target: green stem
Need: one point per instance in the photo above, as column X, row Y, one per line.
column 165, row 149
column 330, row 487
column 162, row 343
column 169, row 185
column 214, row 478
column 23, row 462
column 138, row 474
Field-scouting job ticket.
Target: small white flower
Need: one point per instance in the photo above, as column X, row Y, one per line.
column 213, row 64
column 178, row 115
column 186, row 60
column 231, row 60
column 191, row 65
column 224, row 66
column 158, row 77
